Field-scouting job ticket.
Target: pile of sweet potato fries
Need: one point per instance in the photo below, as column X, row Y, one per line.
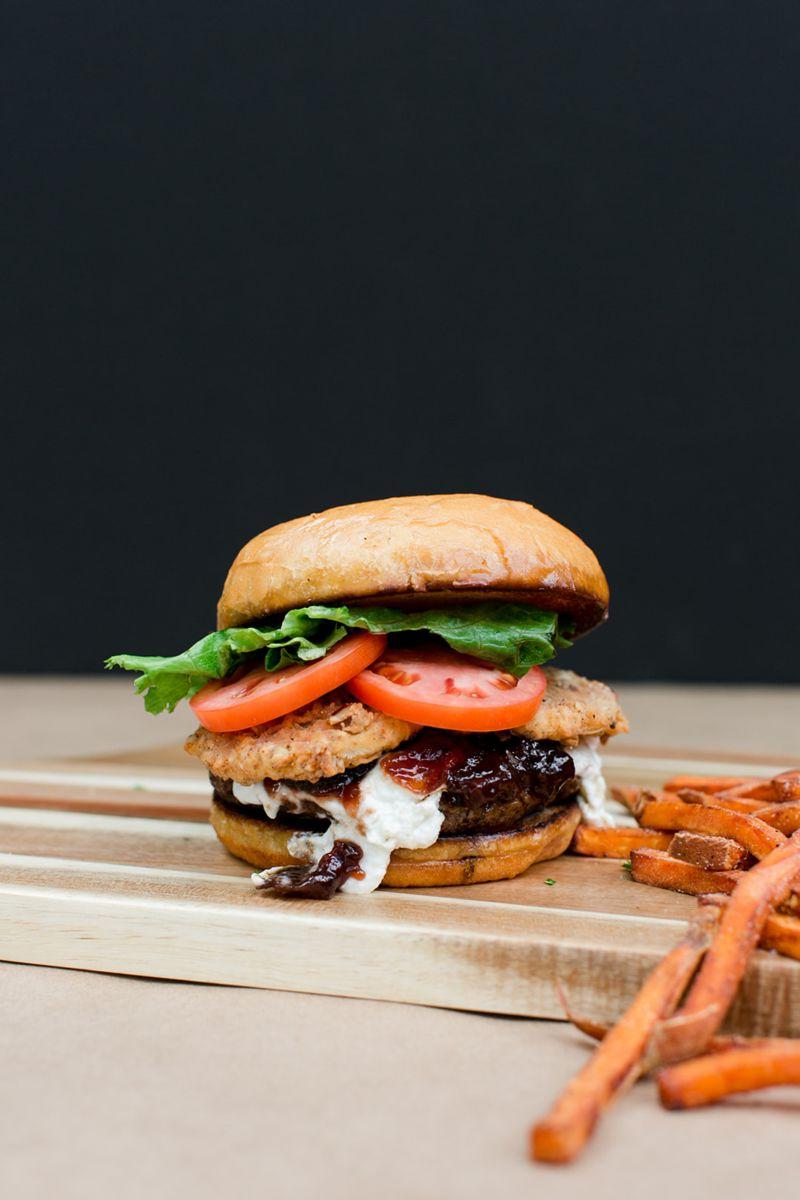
column 735, row 844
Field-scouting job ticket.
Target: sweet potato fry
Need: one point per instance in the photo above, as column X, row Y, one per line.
column 592, row 1029
column 615, row 843
column 756, row 789
column 734, row 803
column 783, row 787
column 659, row 869
column 787, row 786
column 742, row 1069
column 707, row 851
column 741, row 927
column 597, row 1031
column 687, row 795
column 705, row 783
column 785, row 817
column 616, row 1062
column 633, row 798
column 781, row 932
column 756, row 836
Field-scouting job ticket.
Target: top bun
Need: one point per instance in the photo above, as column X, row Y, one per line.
column 416, row 552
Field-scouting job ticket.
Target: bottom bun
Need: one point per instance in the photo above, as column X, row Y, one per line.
column 479, row 858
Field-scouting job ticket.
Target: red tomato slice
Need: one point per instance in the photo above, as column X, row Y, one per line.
column 224, row 706
column 435, row 686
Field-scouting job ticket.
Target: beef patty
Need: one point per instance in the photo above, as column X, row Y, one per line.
column 491, row 781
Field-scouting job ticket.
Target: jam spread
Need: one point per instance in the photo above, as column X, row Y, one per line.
column 425, row 765
column 483, row 769
column 319, row 882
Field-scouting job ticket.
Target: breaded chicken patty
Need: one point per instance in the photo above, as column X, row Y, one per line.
column 573, row 707
column 337, row 732
column 323, row 739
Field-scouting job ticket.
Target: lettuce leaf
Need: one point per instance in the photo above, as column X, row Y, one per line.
column 515, row 637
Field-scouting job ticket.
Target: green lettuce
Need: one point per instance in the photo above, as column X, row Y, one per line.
column 515, row 637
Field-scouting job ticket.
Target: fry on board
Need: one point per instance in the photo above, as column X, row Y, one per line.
column 659, row 869
column 616, row 843
column 706, row 783
column 758, row 891
column 785, row 817
column 706, row 850
column 714, row 837
column 756, row 836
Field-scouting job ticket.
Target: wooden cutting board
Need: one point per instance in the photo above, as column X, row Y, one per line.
column 109, row 865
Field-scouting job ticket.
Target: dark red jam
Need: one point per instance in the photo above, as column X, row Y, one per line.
column 484, row 768
column 320, row 882
column 425, row 765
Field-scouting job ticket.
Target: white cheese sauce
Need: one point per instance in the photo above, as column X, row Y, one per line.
column 596, row 803
column 388, row 817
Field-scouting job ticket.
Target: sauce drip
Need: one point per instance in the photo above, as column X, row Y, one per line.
column 345, row 787
column 320, row 882
column 350, row 796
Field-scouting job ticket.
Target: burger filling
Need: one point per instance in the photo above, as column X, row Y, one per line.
column 367, row 730
column 438, row 785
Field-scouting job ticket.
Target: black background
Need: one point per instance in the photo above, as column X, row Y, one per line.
column 267, row 257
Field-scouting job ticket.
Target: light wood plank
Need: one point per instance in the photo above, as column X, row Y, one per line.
column 153, row 893
column 480, row 956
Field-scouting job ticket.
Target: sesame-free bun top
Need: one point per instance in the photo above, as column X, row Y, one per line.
column 416, row 552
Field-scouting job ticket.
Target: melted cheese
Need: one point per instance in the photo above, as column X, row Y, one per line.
column 388, row 817
column 596, row 803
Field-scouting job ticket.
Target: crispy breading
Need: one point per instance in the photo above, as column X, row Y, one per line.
column 323, row 739
column 574, row 707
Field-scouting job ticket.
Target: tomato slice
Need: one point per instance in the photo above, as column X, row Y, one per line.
column 435, row 686
column 256, row 696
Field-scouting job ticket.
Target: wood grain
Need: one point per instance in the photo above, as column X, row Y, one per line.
column 153, row 893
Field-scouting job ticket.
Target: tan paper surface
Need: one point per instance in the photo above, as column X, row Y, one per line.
column 126, row 1088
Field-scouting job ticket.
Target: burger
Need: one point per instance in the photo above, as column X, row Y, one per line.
column 373, row 706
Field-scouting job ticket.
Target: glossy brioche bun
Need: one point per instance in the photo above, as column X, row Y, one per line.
column 416, row 551
column 448, row 862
